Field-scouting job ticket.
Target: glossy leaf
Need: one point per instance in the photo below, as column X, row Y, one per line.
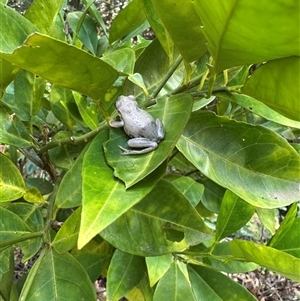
column 52, row 274
column 158, row 27
column 278, row 261
column 12, row 130
column 228, row 28
column 259, row 108
column 127, row 20
column 173, row 286
column 7, row 278
column 289, row 241
column 124, row 273
column 234, row 213
column 32, row 216
column 177, row 16
column 174, row 113
column 276, row 85
column 12, row 226
column 12, row 185
column 67, row 235
column 157, row 266
column 163, row 222
column 191, row 189
column 209, row 284
column 87, row 32
column 152, row 65
column 33, row 195
column 8, row 72
column 265, row 168
column 43, row 14
column 142, row 291
column 284, row 226
column 87, row 110
column 40, row 53
column 267, row 218
column 122, row 60
column 104, row 197
column 69, row 193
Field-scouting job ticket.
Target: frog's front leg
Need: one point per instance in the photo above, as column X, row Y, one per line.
column 147, row 145
column 116, row 124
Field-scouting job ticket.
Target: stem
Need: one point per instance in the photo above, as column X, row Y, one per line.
column 16, row 240
column 167, row 76
column 72, row 140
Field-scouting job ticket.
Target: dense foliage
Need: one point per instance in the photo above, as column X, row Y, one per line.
column 223, row 76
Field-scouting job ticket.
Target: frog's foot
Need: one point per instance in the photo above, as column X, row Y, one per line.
column 136, row 152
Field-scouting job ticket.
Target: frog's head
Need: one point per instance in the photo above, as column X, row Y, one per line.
column 125, row 103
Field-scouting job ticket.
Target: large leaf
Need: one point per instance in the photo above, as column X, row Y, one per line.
column 252, row 161
column 174, row 286
column 245, row 32
column 24, row 95
column 163, row 222
column 261, row 109
column 8, row 72
column 52, row 60
column 105, row 197
column 12, row 185
column 124, row 273
column 174, row 113
column 183, row 25
column 276, row 84
column 131, row 17
column 57, row 277
column 234, row 213
column 209, row 284
column 278, row 261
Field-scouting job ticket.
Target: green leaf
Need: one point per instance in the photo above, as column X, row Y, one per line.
column 147, row 228
column 107, row 199
column 40, row 53
column 234, row 213
column 259, row 108
column 69, row 193
column 14, row 29
column 12, row 185
column 8, row 72
column 64, row 155
column 67, row 235
column 289, row 241
column 159, row 28
column 153, row 65
column 268, row 218
column 272, row 28
column 174, row 113
column 276, row 84
column 33, row 195
column 128, row 19
column 122, row 60
column 177, row 17
column 191, row 189
column 124, row 273
column 7, row 278
column 278, row 261
column 87, row 32
column 32, row 216
column 284, row 226
column 43, row 14
column 87, row 110
column 95, row 257
column 265, row 168
column 52, row 274
column 173, row 286
column 12, row 226
column 209, row 284
column 157, row 266
column 12, row 129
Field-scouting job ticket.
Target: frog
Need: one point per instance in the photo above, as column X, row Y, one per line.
column 144, row 131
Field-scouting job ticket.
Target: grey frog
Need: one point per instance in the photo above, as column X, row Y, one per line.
column 140, row 126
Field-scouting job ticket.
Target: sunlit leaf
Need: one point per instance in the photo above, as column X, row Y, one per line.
column 252, row 161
